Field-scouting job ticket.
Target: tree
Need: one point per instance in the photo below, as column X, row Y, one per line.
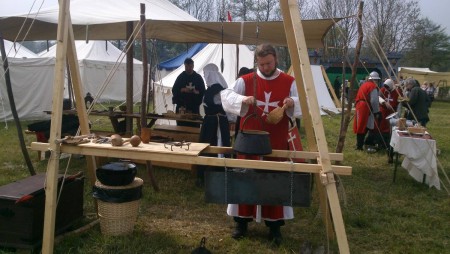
column 430, row 47
column 200, row 9
column 389, row 26
column 344, row 32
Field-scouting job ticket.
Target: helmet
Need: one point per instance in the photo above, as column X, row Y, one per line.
column 374, row 75
column 389, row 84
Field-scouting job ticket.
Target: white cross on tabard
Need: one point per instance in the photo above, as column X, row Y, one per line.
column 292, row 138
column 267, row 103
column 190, row 86
column 389, row 99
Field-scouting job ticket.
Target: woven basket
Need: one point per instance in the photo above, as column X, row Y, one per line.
column 118, row 218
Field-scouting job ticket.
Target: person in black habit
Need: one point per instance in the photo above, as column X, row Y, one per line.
column 215, row 129
column 188, row 91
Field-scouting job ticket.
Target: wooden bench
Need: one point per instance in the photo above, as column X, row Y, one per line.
column 177, row 133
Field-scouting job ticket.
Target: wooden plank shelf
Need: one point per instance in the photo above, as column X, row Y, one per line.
column 157, row 152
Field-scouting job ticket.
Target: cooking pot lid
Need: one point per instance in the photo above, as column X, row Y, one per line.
column 392, row 115
column 118, row 166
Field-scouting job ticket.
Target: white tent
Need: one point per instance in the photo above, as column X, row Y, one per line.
column 212, row 53
column 32, row 82
column 16, row 50
column 102, row 64
column 323, row 96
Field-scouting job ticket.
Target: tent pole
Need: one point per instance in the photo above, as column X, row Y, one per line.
column 13, row 108
column 129, row 83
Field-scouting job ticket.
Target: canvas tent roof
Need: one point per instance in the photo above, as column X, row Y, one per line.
column 177, row 61
column 425, row 74
column 97, row 59
column 415, row 69
column 101, row 20
column 16, row 50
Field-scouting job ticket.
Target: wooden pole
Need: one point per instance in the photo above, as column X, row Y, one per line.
column 297, row 48
column 72, row 60
column 12, row 105
column 55, row 129
column 346, row 116
column 129, row 83
column 145, row 69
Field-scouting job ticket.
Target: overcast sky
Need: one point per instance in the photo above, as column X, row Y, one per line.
column 435, row 10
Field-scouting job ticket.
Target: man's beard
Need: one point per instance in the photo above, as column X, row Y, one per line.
column 270, row 74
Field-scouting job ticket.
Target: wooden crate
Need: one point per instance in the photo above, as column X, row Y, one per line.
column 22, row 205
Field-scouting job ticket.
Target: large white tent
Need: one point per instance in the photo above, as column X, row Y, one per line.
column 103, row 65
column 212, row 53
column 31, row 80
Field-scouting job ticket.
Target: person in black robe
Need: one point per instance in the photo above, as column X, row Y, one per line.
column 188, row 91
column 215, row 127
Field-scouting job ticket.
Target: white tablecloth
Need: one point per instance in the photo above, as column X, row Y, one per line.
column 420, row 157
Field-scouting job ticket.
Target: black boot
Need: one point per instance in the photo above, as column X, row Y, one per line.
column 240, row 230
column 359, row 141
column 275, row 235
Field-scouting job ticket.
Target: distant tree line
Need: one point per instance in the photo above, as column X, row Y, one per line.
column 390, row 26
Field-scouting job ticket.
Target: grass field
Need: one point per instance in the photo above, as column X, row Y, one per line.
column 380, row 216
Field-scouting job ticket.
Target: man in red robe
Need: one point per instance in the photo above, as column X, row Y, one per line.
column 389, row 95
column 366, row 108
column 259, row 93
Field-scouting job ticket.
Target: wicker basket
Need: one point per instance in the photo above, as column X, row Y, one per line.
column 118, row 218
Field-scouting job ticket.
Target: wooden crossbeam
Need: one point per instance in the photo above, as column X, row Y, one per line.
column 156, row 152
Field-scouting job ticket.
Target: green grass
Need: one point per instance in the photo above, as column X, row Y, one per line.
column 380, row 216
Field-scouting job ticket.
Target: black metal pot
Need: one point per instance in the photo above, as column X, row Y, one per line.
column 252, row 142
column 117, row 173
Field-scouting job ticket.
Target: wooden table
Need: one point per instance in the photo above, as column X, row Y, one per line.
column 420, row 156
column 164, row 153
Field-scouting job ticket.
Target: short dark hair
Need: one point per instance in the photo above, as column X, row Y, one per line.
column 265, row 49
column 244, row 70
column 188, row 61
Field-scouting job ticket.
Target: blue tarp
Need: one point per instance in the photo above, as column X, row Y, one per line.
column 177, row 61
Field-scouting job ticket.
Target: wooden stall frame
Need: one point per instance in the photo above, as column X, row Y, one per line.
column 310, row 110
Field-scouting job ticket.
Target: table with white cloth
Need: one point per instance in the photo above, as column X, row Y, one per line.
column 419, row 152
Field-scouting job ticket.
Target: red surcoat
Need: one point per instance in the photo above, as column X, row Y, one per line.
column 362, row 107
column 269, row 94
column 392, row 98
